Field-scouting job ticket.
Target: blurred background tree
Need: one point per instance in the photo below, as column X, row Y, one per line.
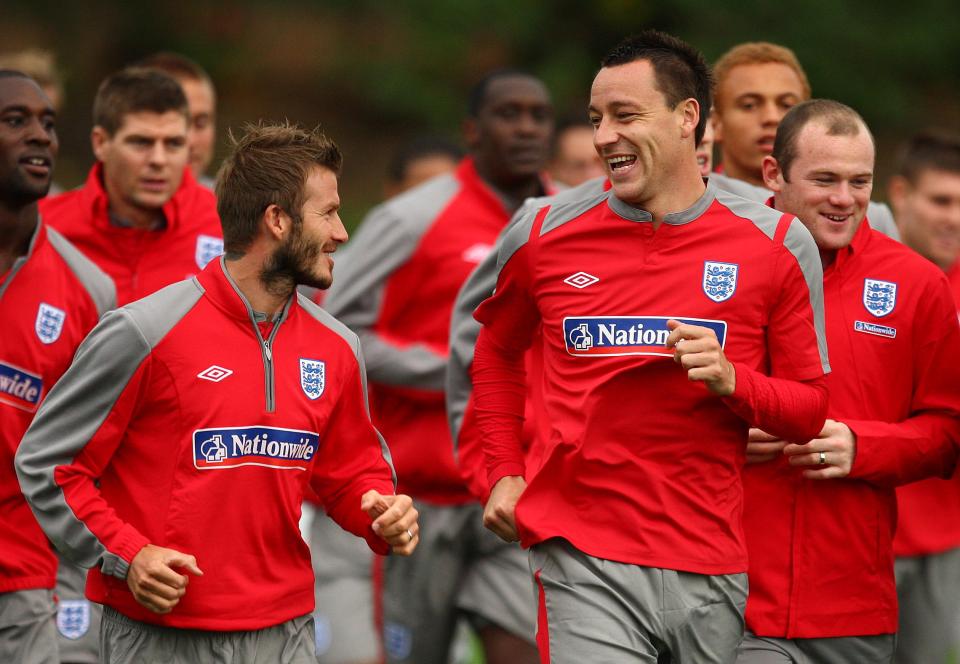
column 375, row 73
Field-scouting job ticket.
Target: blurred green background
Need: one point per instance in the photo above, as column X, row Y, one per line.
column 376, row 73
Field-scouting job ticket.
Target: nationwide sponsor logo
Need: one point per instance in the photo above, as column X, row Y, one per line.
column 595, row 336
column 208, row 248
column 269, row 447
column 477, row 253
column 879, row 297
column 19, row 388
column 73, row 618
column 49, row 323
column 313, row 377
column 873, row 328
column 581, row 280
column 214, row 374
column 720, row 280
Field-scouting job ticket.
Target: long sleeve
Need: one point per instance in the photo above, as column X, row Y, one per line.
column 792, row 410
column 73, row 438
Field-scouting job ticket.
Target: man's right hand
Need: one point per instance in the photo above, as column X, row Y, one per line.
column 498, row 514
column 154, row 580
column 762, row 446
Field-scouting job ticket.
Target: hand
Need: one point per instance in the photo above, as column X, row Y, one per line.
column 697, row 350
column 498, row 513
column 154, row 581
column 761, row 446
column 394, row 520
column 838, row 445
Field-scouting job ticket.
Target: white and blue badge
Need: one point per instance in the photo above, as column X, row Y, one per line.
column 719, row 280
column 879, row 297
column 313, row 377
column 73, row 618
column 50, row 322
column 267, row 447
column 208, row 248
column 397, row 640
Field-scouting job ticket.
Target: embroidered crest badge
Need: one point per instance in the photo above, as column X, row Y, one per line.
column 208, row 248
column 49, row 323
column 313, row 377
column 879, row 297
column 719, row 280
column 73, row 618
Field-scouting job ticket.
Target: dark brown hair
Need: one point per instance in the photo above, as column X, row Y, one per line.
column 134, row 90
column 838, row 119
column 930, row 150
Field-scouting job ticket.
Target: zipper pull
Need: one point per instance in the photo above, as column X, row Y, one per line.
column 266, row 348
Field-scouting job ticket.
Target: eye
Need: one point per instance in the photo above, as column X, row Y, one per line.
column 594, row 120
column 15, row 120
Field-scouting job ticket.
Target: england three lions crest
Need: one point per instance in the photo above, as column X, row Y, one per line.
column 49, row 323
column 879, row 297
column 313, row 377
column 719, row 280
column 208, row 248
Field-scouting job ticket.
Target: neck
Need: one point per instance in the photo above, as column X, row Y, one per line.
column 735, row 170
column 245, row 271
column 513, row 192
column 827, row 257
column 683, row 191
column 16, row 228
column 136, row 216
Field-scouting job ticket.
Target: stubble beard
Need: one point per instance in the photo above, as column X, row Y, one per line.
column 290, row 266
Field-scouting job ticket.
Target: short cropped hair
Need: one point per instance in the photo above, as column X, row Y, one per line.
column 175, row 65
column 929, row 150
column 838, row 119
column 680, row 70
column 478, row 93
column 757, row 53
column 418, row 148
column 268, row 165
column 136, row 90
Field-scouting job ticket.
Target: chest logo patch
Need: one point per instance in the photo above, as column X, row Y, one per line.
column 313, row 377
column 581, row 280
column 49, row 323
column 214, row 374
column 719, row 280
column 477, row 253
column 879, row 297
column 268, row 447
column 592, row 336
column 208, row 248
column 873, row 328
column 18, row 388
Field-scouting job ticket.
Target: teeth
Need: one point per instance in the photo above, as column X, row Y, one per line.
column 620, row 161
column 36, row 161
column 834, row 217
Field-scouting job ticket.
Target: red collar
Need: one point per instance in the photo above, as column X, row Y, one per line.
column 224, row 294
column 466, row 173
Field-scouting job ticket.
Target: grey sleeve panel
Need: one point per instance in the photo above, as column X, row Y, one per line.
column 77, row 407
column 384, row 242
column 353, row 341
column 766, row 219
column 94, row 280
column 799, row 242
column 741, row 188
column 881, row 219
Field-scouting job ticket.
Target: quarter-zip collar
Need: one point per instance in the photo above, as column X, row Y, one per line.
column 39, row 236
column 630, row 213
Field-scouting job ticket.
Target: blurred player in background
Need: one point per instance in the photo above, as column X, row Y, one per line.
column 574, row 159
column 925, row 196
column 419, row 160
column 820, row 516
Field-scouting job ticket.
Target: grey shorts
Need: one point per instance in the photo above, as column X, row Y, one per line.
column 876, row 649
column 127, row 641
column 78, row 619
column 928, row 592
column 605, row 612
column 459, row 568
column 27, row 631
column 344, row 617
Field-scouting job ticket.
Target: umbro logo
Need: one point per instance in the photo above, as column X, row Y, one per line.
column 581, row 280
column 214, row 373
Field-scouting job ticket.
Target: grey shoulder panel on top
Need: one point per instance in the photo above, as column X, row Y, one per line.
column 327, row 319
column 799, row 242
column 157, row 314
column 881, row 219
column 743, row 189
column 763, row 217
column 99, row 286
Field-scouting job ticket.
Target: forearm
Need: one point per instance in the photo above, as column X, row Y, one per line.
column 895, row 453
column 789, row 409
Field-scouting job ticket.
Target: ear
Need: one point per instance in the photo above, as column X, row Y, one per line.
column 471, row 133
column 276, row 222
column 99, row 138
column 897, row 191
column 772, row 177
column 689, row 117
column 717, row 123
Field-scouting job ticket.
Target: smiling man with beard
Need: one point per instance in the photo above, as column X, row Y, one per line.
column 399, row 279
column 173, row 456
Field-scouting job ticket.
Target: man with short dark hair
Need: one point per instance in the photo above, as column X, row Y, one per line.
column 419, row 160
column 140, row 216
column 202, row 103
column 820, row 515
column 756, row 84
column 50, row 297
column 404, row 268
column 925, row 195
column 670, row 316
column 574, row 159
column 184, row 435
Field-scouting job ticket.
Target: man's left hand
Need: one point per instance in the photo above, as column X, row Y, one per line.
column 832, row 452
column 697, row 350
column 394, row 519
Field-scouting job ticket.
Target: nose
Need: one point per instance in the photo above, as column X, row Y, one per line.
column 842, row 196
column 158, row 153
column 339, row 231
column 604, row 134
column 38, row 134
column 771, row 114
